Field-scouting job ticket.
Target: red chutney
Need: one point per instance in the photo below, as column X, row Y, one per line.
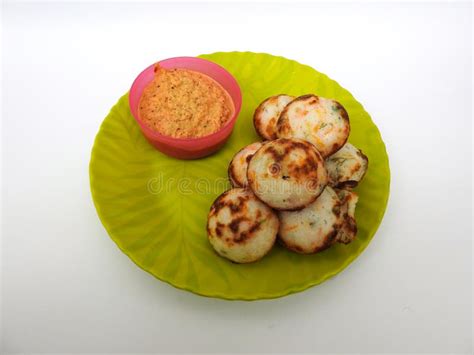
column 183, row 103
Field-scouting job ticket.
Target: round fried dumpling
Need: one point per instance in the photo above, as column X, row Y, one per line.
column 346, row 167
column 348, row 230
column 238, row 166
column 287, row 174
column 323, row 122
column 313, row 228
column 267, row 113
column 240, row 227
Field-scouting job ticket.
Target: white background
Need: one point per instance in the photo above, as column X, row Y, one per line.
column 67, row 287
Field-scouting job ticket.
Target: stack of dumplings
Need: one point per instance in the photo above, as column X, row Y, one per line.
column 295, row 186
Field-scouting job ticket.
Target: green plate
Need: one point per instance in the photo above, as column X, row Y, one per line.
column 155, row 207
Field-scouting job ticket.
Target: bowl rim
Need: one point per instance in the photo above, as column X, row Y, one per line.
column 237, row 105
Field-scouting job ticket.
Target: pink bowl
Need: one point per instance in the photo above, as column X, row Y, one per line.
column 187, row 148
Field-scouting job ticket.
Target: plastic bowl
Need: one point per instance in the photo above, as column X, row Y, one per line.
column 187, row 148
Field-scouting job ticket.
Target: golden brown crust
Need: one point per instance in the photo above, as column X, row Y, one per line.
column 328, row 242
column 307, row 96
column 364, row 157
column 247, row 262
column 232, row 174
column 348, row 230
column 349, row 184
column 284, row 128
column 238, row 210
column 350, row 175
column 303, row 171
column 271, row 133
column 256, row 117
column 266, row 131
column 282, row 123
column 345, row 116
column 342, row 110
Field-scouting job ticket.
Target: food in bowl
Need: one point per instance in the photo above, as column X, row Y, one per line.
column 187, row 148
column 240, row 227
column 183, row 103
column 306, row 177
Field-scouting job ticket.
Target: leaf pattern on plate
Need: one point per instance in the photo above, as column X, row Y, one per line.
column 164, row 230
